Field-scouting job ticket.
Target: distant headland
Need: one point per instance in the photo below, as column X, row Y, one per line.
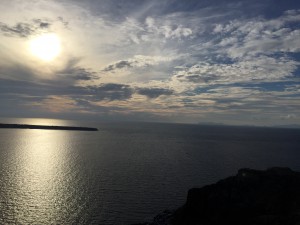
column 45, row 127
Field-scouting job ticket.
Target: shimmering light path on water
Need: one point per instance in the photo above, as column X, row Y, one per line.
column 126, row 172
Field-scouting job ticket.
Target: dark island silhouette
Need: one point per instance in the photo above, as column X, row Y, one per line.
column 45, row 127
column 252, row 197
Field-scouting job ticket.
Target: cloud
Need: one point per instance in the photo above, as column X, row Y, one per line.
column 68, row 72
column 73, row 72
column 138, row 61
column 79, row 73
column 259, row 69
column 259, row 36
column 55, row 97
column 167, row 29
column 56, row 104
column 110, row 92
column 168, row 59
column 63, row 21
column 289, row 117
column 24, row 30
column 154, row 92
column 118, row 65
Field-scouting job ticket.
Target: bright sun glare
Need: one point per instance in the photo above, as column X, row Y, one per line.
column 46, row 46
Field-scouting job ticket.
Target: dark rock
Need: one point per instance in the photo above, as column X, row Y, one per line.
column 252, row 197
column 45, row 127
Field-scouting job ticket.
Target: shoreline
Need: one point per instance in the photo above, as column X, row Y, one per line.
column 45, row 127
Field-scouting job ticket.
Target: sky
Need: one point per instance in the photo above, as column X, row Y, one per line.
column 195, row 61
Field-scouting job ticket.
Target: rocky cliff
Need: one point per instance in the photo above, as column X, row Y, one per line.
column 252, row 197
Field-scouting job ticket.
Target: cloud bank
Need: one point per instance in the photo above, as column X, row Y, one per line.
column 197, row 61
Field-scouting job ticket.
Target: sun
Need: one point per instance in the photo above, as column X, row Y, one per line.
column 46, row 46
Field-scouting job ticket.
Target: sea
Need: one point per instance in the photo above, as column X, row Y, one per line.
column 127, row 172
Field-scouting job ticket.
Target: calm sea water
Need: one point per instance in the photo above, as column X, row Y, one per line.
column 126, row 172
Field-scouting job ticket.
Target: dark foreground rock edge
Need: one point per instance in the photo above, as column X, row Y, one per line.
column 45, row 127
column 252, row 197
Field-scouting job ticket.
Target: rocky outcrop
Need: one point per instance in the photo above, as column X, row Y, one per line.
column 252, row 197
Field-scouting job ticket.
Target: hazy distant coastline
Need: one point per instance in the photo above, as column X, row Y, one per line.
column 45, row 127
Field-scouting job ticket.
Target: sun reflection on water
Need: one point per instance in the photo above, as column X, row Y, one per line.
column 39, row 176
